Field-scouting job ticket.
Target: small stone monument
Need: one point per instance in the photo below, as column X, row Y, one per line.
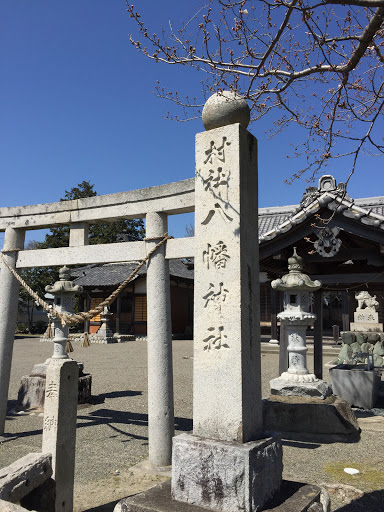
column 366, row 317
column 296, row 316
column 32, row 388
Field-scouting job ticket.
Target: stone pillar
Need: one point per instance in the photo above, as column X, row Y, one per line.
column 59, row 427
column 226, row 331
column 274, row 312
column 78, row 234
column 216, row 466
column 118, row 313
column 9, row 294
column 318, row 335
column 346, row 300
column 87, row 322
column 159, row 333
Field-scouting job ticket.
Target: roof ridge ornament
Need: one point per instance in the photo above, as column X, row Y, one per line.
column 327, row 183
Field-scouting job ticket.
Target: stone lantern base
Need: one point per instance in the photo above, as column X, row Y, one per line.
column 300, row 385
column 31, row 393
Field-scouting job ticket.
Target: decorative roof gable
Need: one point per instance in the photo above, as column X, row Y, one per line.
column 368, row 211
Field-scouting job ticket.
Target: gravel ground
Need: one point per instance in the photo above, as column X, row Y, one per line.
column 112, row 432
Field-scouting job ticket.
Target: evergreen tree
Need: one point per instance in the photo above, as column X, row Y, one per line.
column 102, row 233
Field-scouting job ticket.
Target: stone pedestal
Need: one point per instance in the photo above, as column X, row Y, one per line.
column 314, row 387
column 224, row 475
column 307, row 415
column 59, row 427
column 366, row 327
column 32, row 388
column 366, row 315
column 293, row 497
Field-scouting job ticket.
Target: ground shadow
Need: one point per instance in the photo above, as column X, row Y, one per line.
column 11, row 404
column 372, row 501
column 309, row 441
column 107, row 507
column 100, row 399
column 27, row 433
column 287, row 490
column 300, row 444
column 108, row 416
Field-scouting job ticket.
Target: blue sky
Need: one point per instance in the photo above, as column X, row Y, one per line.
column 77, row 104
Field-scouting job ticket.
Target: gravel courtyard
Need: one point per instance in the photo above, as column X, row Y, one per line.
column 112, row 431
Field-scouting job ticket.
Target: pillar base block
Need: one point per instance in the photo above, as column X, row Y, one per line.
column 223, row 475
column 305, row 386
column 295, row 496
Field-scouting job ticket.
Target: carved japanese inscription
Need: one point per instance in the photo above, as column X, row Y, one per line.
column 52, row 390
column 216, row 255
column 215, row 339
column 217, row 152
column 294, row 338
column 50, row 422
column 215, row 177
column 215, row 296
column 295, row 360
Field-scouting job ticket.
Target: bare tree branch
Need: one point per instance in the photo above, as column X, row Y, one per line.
column 318, row 64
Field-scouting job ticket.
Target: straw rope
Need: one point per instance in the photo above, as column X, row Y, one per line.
column 75, row 318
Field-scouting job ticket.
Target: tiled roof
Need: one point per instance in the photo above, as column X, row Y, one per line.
column 112, row 274
column 277, row 220
column 272, row 222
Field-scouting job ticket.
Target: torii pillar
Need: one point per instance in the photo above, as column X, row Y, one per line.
column 9, row 296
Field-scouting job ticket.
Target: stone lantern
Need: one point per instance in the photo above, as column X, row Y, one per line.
column 296, row 316
column 32, row 388
column 64, row 292
column 104, row 331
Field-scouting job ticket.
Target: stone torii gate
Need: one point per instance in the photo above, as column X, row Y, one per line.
column 154, row 204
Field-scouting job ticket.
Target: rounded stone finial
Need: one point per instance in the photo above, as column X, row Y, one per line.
column 64, row 274
column 295, row 262
column 223, row 108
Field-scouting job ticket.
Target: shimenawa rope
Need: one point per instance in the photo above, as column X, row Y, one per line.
column 75, row 318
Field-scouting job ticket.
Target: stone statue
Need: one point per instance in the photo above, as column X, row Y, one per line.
column 366, row 301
